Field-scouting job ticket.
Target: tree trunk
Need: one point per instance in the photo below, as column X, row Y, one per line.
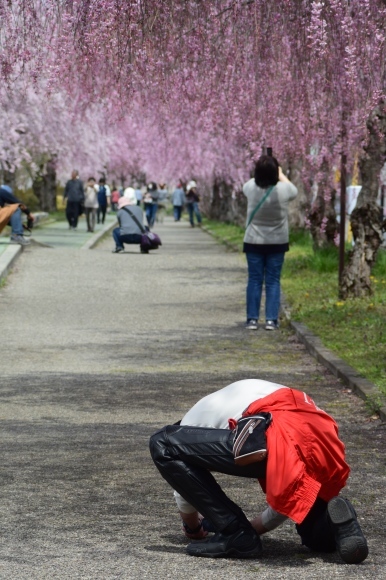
column 226, row 204
column 366, row 223
column 44, row 185
column 214, row 210
column 323, row 224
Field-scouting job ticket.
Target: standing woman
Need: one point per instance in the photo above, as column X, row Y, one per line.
column 91, row 203
column 192, row 201
column 266, row 238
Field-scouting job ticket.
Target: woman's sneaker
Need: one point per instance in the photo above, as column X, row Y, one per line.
column 19, row 239
column 349, row 539
column 251, row 324
column 271, row 325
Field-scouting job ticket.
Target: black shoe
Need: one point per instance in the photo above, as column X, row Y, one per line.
column 118, row 250
column 245, row 543
column 349, row 539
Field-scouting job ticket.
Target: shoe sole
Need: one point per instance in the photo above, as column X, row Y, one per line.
column 251, row 327
column 232, row 553
column 352, row 549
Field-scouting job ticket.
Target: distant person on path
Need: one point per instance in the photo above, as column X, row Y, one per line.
column 104, row 195
column 162, row 201
column 115, row 195
column 150, row 201
column 178, row 201
column 266, row 238
column 138, row 195
column 74, row 194
column 192, row 201
column 294, row 451
column 128, row 231
column 91, row 203
column 12, row 215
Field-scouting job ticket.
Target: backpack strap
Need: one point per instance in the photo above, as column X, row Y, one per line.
column 143, row 230
column 260, row 204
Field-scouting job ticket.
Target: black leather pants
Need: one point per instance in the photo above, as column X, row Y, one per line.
column 185, row 457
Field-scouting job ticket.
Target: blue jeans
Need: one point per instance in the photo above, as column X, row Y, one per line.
column 151, row 212
column 177, row 211
column 125, row 238
column 16, row 223
column 193, row 210
column 264, row 268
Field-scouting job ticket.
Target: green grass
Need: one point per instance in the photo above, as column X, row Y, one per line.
column 226, row 233
column 354, row 329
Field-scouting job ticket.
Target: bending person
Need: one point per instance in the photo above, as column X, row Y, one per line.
column 302, row 474
column 129, row 231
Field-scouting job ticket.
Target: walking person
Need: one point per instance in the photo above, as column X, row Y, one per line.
column 192, row 201
column 150, row 201
column 178, row 201
column 104, row 195
column 138, row 194
column 115, row 195
column 277, row 435
column 91, row 203
column 162, row 201
column 266, row 238
column 74, row 194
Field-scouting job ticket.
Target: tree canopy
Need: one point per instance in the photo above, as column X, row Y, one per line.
column 181, row 88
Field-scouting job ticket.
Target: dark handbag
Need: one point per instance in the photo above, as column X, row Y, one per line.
column 250, row 443
column 149, row 240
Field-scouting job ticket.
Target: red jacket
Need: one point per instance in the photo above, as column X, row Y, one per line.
column 305, row 457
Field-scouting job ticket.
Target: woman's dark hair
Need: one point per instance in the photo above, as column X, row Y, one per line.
column 266, row 171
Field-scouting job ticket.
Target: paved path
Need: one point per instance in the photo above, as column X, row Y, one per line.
column 99, row 350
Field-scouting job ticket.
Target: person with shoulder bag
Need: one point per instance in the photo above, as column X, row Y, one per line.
column 131, row 229
column 266, row 238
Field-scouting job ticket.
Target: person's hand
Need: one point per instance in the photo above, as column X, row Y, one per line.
column 282, row 176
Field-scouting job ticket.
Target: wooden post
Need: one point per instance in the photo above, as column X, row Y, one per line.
column 342, row 229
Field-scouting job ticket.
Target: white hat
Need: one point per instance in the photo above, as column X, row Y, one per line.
column 191, row 185
column 129, row 193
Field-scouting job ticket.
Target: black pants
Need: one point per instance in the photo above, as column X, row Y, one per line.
column 101, row 213
column 72, row 213
column 186, row 456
